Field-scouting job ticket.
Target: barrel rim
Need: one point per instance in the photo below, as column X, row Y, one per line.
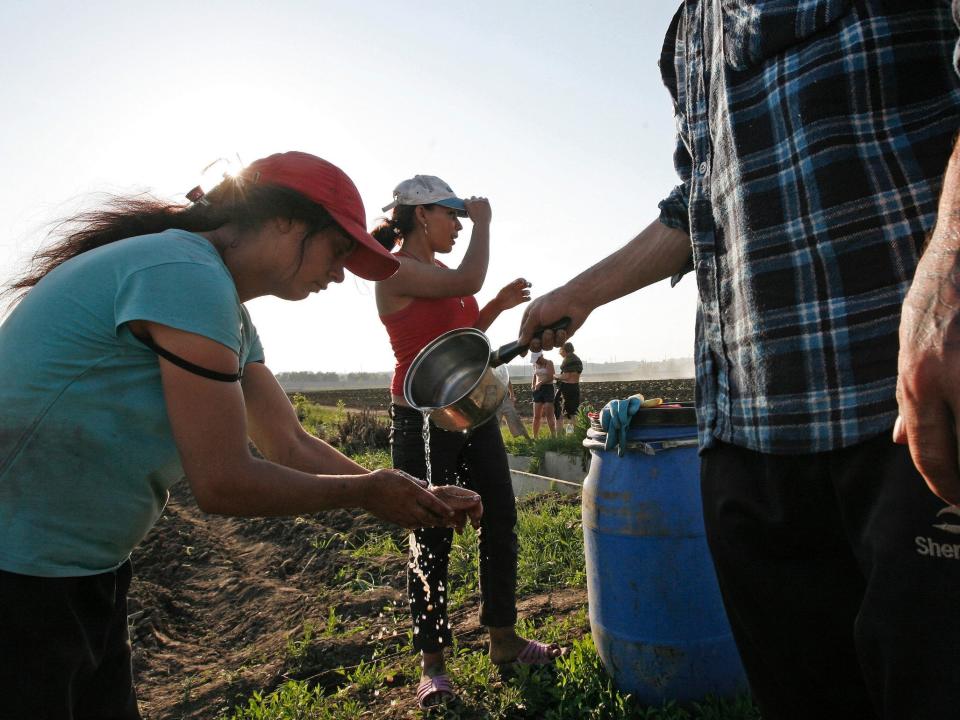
column 682, row 416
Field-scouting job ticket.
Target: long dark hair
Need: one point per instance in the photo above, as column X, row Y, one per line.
column 247, row 205
column 393, row 229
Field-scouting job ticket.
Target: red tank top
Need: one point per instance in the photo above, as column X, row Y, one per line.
column 413, row 327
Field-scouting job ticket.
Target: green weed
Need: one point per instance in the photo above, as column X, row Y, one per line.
column 563, row 443
column 366, row 677
column 295, row 700
column 551, row 550
column 551, row 555
column 334, row 622
column 377, row 546
column 372, row 459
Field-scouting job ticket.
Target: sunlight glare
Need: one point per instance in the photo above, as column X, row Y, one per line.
column 218, row 170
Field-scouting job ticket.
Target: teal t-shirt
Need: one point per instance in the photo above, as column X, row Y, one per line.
column 86, row 450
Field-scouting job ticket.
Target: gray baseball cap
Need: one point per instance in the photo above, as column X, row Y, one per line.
column 426, row 190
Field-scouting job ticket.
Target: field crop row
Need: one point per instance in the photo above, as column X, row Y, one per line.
column 595, row 394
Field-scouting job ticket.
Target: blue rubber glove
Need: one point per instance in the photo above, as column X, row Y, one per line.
column 615, row 421
column 610, row 423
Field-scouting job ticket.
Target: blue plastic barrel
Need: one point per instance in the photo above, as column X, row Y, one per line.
column 655, row 610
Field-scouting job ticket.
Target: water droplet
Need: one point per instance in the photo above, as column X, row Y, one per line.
column 416, row 564
column 426, row 444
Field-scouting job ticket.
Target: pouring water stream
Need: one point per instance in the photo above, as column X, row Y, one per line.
column 415, row 551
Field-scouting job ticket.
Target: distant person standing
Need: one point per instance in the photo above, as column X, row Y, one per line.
column 508, row 411
column 544, row 372
column 566, row 401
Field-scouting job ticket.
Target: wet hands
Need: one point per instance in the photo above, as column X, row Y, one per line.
column 466, row 504
column 478, row 210
column 514, row 294
column 400, row 498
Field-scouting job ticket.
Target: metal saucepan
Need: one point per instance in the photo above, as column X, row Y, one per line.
column 460, row 379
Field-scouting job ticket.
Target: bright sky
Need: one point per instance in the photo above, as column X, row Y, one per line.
column 553, row 110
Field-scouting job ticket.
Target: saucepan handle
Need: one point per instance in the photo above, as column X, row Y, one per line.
column 506, row 353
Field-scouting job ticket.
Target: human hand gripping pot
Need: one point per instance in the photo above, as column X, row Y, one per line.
column 546, row 311
column 657, row 252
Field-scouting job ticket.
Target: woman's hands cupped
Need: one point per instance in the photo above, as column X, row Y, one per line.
column 398, row 497
column 513, row 294
column 478, row 210
column 466, row 504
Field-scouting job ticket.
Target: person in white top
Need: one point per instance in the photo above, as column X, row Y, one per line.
column 543, row 391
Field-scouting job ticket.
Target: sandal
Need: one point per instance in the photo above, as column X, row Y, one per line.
column 433, row 691
column 537, row 653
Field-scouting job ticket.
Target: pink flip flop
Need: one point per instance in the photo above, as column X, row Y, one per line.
column 433, row 691
column 537, row 653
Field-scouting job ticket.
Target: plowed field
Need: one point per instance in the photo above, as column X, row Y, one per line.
column 593, row 393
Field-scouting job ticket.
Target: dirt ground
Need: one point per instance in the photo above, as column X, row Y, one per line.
column 215, row 602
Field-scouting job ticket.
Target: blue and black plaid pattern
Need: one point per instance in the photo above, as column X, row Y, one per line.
column 812, row 141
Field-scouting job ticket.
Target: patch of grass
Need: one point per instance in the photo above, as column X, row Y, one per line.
column 576, row 688
column 378, row 545
column 372, row 459
column 298, row 650
column 364, row 566
column 551, row 556
column 316, row 419
column 551, row 552
column 563, row 443
column 366, row 677
column 364, row 434
column 295, row 700
column 334, row 622
column 551, row 547
column 463, row 573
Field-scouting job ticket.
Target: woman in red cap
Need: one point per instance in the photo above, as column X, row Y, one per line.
column 129, row 361
column 421, row 301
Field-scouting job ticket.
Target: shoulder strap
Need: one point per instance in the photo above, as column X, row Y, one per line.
column 189, row 366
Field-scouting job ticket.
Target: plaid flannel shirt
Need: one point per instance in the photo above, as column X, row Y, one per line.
column 812, row 141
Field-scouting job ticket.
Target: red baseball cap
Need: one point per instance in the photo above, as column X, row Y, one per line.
column 327, row 185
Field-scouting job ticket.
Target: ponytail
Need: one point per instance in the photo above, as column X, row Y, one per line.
column 387, row 233
column 246, row 205
column 392, row 230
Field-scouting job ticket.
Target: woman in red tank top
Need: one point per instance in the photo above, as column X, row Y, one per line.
column 422, row 300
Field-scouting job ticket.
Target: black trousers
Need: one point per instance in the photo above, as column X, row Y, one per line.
column 478, row 461
column 840, row 573
column 567, row 400
column 64, row 648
